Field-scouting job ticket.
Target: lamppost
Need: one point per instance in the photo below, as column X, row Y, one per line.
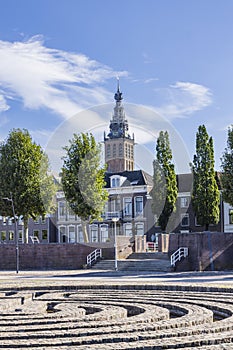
column 16, row 232
column 115, row 241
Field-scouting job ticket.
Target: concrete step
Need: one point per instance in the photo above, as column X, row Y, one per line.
column 156, row 265
column 149, row 255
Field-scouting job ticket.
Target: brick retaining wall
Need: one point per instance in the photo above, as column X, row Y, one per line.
column 59, row 256
column 202, row 247
column 46, row 256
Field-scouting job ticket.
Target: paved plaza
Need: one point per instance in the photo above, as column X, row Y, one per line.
column 112, row 310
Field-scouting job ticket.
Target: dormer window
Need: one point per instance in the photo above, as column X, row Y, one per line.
column 117, row 180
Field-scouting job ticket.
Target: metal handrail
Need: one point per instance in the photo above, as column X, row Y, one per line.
column 178, row 255
column 93, row 256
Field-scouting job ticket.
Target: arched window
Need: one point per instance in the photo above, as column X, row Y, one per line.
column 71, row 234
column 108, row 151
column 128, row 229
column 94, row 233
column 62, row 238
column 114, row 150
column 104, row 233
column 138, row 206
column 61, row 210
column 80, row 234
column 120, row 150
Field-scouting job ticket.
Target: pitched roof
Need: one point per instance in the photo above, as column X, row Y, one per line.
column 133, row 178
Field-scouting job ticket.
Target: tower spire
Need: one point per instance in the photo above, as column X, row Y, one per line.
column 118, row 95
column 119, row 145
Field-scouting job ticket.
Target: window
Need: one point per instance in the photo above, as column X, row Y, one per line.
column 231, row 216
column 10, row 221
column 71, row 230
column 20, row 221
column 120, row 150
column 62, row 234
column 115, row 181
column 108, row 151
column 138, row 206
column 127, row 206
column 36, row 233
column 104, row 233
column 3, row 236
column 20, row 237
column 140, row 229
column 94, row 233
column 184, row 220
column 37, row 220
column 126, row 150
column 105, row 211
column 62, row 210
column 184, row 202
column 11, row 235
column 114, row 151
column 128, row 153
column 45, row 235
column 80, row 234
column 128, row 229
column 131, row 156
column 43, row 220
column 71, row 214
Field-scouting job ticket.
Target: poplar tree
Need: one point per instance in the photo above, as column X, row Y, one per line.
column 205, row 196
column 164, row 193
column 227, row 169
column 24, row 178
column 82, row 179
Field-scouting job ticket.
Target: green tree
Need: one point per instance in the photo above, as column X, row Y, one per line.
column 227, row 169
column 158, row 192
column 24, row 176
column 164, row 192
column 83, row 179
column 206, row 196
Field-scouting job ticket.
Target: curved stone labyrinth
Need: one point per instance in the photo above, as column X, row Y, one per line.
column 116, row 318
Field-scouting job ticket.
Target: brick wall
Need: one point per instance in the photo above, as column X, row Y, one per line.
column 59, row 256
column 207, row 250
column 47, row 256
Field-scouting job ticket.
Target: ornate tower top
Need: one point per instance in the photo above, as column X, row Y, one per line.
column 119, row 145
column 118, row 125
column 118, row 95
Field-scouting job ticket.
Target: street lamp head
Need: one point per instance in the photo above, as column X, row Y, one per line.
column 115, row 219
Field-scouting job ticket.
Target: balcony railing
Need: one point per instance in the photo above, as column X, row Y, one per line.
column 109, row 215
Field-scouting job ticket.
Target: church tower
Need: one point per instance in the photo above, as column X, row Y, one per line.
column 119, row 145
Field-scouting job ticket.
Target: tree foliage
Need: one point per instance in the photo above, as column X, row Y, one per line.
column 227, row 169
column 158, row 192
column 206, row 196
column 164, row 193
column 24, row 177
column 83, row 179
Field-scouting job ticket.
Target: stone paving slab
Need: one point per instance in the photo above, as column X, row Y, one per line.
column 115, row 312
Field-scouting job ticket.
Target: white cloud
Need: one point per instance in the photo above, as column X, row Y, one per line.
column 3, row 104
column 43, row 77
column 150, row 80
column 185, row 98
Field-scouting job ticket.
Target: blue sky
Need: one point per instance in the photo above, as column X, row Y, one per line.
column 174, row 59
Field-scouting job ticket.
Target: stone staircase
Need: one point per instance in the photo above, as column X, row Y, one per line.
column 154, row 262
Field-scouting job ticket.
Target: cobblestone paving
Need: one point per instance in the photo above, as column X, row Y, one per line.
column 116, row 316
